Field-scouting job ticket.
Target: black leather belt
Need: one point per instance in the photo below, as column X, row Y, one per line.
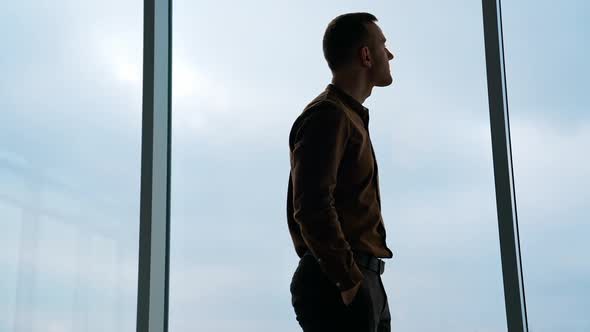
column 367, row 261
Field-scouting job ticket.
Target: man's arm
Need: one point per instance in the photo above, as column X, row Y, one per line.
column 317, row 150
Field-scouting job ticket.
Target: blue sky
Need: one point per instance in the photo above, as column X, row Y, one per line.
column 70, row 149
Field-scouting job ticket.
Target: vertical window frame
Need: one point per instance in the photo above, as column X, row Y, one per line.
column 512, row 274
column 154, row 230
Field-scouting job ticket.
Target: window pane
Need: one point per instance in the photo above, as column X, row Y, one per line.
column 241, row 79
column 70, row 139
column 547, row 76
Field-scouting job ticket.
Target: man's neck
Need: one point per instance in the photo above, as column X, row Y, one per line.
column 356, row 88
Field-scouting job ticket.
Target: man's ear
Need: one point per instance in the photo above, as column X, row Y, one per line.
column 365, row 54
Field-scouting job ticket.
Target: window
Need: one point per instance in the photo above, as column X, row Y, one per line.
column 70, row 139
column 242, row 76
column 547, row 71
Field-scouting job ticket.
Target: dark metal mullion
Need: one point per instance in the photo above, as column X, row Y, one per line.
column 154, row 230
column 503, row 172
column 169, row 165
column 143, row 280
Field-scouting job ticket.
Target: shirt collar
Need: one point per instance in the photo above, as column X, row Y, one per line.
column 350, row 101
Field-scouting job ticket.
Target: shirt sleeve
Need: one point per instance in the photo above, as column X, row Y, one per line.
column 318, row 147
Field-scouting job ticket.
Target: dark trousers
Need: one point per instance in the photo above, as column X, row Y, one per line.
column 319, row 307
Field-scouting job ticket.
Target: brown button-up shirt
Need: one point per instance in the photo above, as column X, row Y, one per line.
column 333, row 203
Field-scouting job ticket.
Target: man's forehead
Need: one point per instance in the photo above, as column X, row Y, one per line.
column 376, row 31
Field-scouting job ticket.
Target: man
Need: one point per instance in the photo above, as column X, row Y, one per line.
column 333, row 204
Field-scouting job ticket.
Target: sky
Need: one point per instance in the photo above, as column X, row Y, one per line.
column 242, row 72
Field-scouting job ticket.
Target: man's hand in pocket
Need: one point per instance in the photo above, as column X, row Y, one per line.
column 349, row 294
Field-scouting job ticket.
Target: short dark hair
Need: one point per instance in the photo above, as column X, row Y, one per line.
column 343, row 36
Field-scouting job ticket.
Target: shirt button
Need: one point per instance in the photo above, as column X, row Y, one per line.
column 319, row 260
column 338, row 284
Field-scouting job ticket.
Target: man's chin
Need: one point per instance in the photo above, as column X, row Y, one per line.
column 386, row 82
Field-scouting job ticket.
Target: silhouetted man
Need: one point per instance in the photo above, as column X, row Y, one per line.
column 333, row 204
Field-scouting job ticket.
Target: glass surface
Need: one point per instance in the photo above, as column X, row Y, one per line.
column 70, row 135
column 546, row 50
column 242, row 73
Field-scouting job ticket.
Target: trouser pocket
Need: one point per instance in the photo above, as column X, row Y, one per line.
column 318, row 302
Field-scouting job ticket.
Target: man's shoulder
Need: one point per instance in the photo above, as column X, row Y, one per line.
column 322, row 109
column 325, row 100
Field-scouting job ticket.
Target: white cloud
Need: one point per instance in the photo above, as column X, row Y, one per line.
column 119, row 53
column 190, row 282
column 420, row 139
column 68, row 253
column 552, row 169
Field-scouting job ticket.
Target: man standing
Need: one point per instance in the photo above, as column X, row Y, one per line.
column 333, row 204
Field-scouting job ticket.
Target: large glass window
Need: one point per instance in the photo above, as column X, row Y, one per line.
column 547, row 76
column 70, row 135
column 242, row 76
